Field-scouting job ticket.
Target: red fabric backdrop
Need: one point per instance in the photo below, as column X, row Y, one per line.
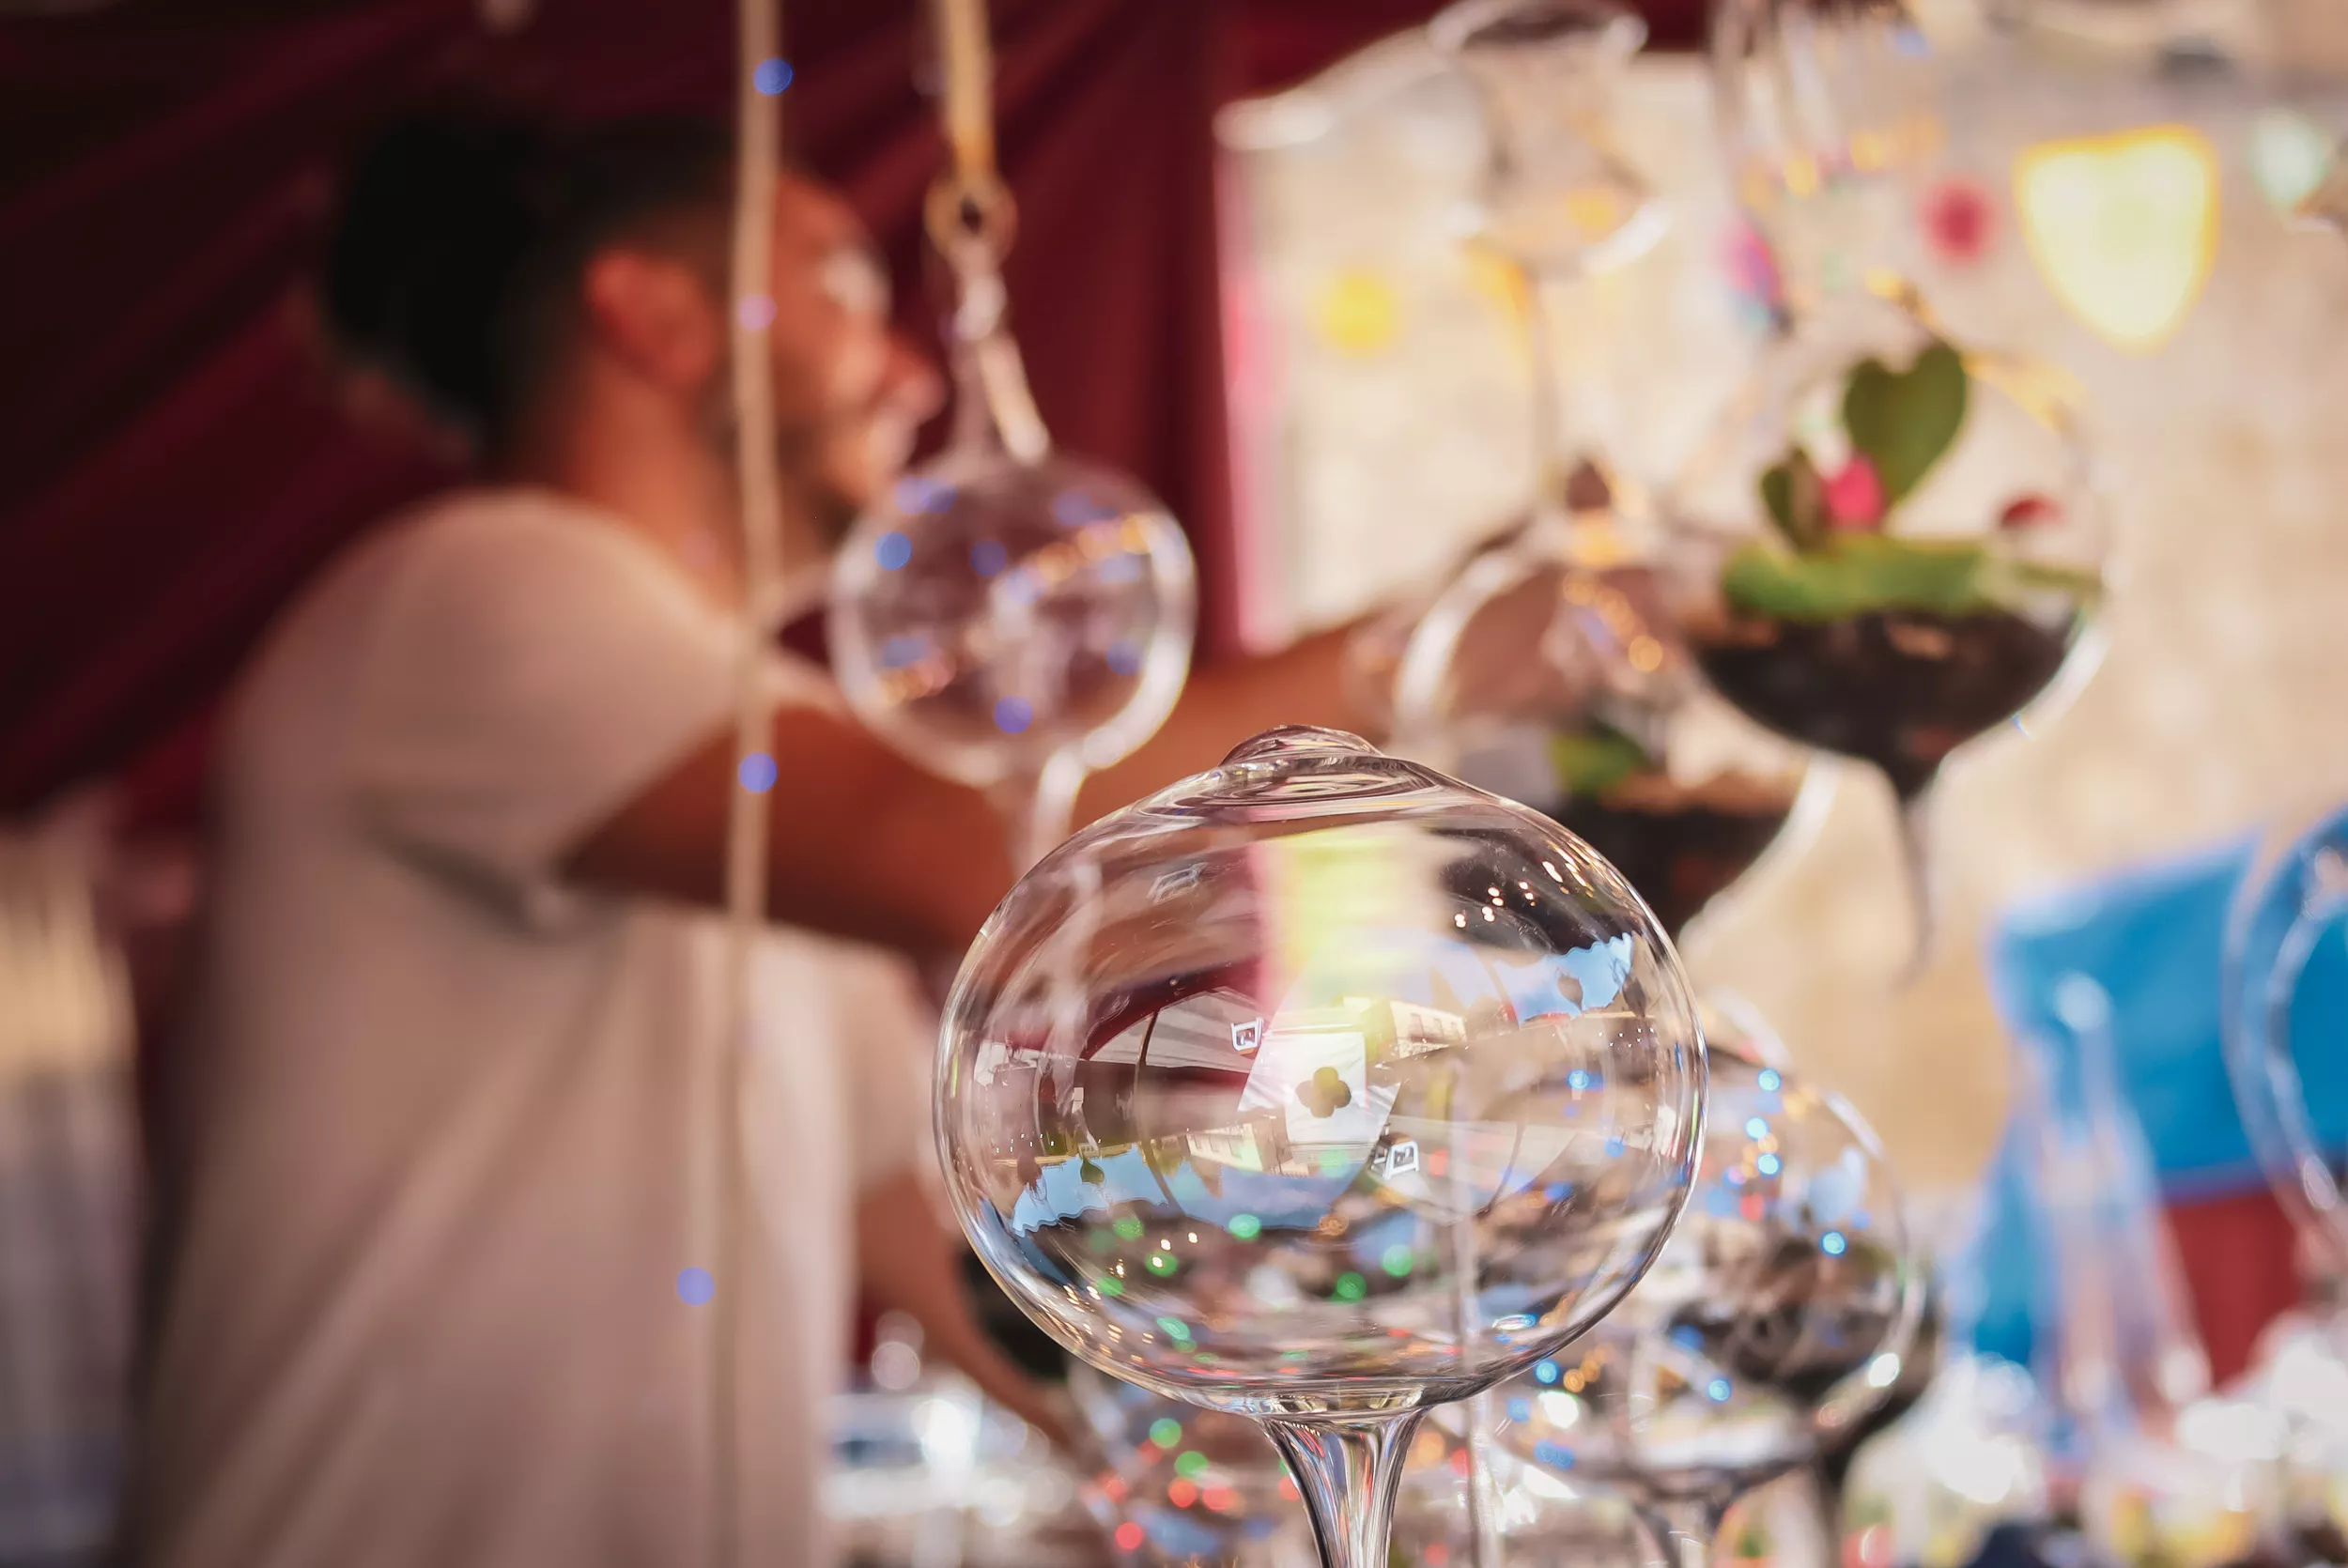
column 172, row 464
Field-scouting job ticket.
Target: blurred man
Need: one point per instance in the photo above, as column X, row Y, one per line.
column 439, row 1186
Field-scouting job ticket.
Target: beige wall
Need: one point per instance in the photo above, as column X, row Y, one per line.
column 2225, row 454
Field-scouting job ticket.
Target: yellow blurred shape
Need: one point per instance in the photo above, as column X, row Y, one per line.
column 2124, row 227
column 1357, row 310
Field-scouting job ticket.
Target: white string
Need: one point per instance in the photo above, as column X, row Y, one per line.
column 757, row 169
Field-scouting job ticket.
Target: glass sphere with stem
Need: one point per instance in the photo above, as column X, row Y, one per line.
column 1892, row 547
column 2285, row 996
column 1011, row 617
column 1544, row 670
column 1774, row 1319
column 1321, row 1090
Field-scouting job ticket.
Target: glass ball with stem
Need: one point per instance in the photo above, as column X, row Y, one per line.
column 1891, row 546
column 1774, row 1319
column 1321, row 1090
column 1011, row 617
column 2285, row 1000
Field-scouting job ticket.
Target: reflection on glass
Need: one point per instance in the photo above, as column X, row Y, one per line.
column 1320, row 1090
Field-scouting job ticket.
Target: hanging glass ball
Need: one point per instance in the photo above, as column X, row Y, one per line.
column 995, row 614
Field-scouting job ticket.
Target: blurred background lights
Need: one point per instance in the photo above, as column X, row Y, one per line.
column 2123, row 227
column 694, row 1286
column 772, row 77
column 757, row 772
column 892, row 550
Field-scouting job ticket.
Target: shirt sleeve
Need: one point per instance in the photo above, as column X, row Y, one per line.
column 531, row 670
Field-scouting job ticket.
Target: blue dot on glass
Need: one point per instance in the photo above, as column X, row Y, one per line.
column 694, row 1286
column 1545, row 1371
column 1772, row 1080
column 1578, row 1080
column 1769, row 1164
column 1012, row 714
column 1717, row 1390
column 1520, row 1409
column 772, row 77
column 1124, row 656
column 988, row 557
column 892, row 550
column 1614, row 1149
column 1756, row 1128
column 1832, row 1244
column 757, row 772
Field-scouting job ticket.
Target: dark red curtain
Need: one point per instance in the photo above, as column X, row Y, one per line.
column 172, row 463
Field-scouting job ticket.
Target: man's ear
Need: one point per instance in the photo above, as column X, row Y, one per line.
column 655, row 313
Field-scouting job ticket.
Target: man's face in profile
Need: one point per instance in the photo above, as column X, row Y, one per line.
column 849, row 395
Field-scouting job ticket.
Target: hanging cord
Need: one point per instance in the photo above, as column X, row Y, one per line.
column 972, row 220
column 757, row 167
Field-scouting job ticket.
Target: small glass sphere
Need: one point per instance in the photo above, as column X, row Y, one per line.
column 1892, row 545
column 1319, row 1085
column 1774, row 1318
column 995, row 614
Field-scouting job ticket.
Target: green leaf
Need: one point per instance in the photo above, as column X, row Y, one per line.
column 1796, row 498
column 1855, row 574
column 1904, row 422
column 1593, row 760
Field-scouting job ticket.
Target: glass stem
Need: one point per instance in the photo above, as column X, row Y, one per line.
column 1348, row 1469
column 1917, row 861
column 1685, row 1529
column 1039, row 808
column 1552, row 463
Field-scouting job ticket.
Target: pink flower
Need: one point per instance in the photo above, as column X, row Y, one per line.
column 1854, row 495
column 2028, row 511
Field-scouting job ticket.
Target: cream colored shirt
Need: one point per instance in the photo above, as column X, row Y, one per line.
column 450, row 1131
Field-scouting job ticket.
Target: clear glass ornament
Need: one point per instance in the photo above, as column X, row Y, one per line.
column 1891, row 546
column 1321, row 1090
column 2285, row 991
column 1011, row 618
column 1775, row 1318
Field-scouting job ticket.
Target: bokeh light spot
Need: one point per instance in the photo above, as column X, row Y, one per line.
column 1128, row 1226
column 1717, row 1390
column 1124, row 656
column 772, row 77
column 1166, row 1431
column 695, row 1287
column 1770, row 1079
column 1247, row 1227
column 988, row 557
column 1833, row 1244
column 1397, row 1260
column 757, row 772
column 1351, row 1286
column 1545, row 1371
column 1012, row 714
column 892, row 550
column 1190, row 1464
column 1129, row 1537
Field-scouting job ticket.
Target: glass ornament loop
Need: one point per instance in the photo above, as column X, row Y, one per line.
column 1320, row 1088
